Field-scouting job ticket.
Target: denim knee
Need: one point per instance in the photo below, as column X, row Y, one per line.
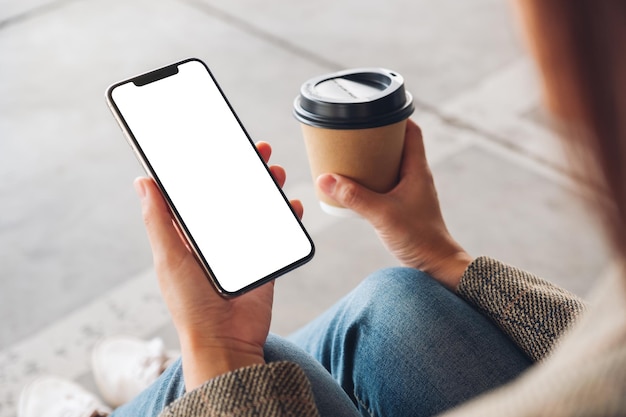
column 401, row 338
column 389, row 309
column 394, row 291
column 394, row 306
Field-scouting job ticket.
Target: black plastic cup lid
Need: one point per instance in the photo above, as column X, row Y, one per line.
column 359, row 98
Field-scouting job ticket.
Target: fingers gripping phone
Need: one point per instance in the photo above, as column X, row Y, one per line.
column 236, row 219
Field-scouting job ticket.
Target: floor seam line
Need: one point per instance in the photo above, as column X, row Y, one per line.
column 256, row 31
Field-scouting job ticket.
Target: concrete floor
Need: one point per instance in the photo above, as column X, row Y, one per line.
column 74, row 261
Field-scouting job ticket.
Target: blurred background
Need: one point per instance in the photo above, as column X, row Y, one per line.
column 75, row 264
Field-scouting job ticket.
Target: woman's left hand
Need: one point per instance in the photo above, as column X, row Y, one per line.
column 217, row 335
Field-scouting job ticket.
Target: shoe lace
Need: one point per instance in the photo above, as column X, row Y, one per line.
column 79, row 406
column 152, row 365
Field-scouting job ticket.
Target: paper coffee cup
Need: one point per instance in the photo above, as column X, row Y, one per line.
column 353, row 123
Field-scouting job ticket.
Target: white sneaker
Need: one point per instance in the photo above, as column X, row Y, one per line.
column 125, row 366
column 49, row 396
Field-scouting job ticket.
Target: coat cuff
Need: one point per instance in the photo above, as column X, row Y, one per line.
column 533, row 312
column 278, row 388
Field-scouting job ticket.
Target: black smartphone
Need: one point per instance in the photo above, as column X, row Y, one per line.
column 236, row 219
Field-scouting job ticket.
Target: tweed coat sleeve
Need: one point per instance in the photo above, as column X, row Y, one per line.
column 531, row 311
column 276, row 389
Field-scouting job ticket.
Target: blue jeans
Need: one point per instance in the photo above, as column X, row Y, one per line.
column 399, row 344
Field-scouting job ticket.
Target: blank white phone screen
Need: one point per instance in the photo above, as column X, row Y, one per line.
column 233, row 211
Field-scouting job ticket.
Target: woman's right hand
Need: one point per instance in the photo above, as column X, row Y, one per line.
column 408, row 218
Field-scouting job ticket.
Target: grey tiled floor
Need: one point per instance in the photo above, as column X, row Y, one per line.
column 72, row 244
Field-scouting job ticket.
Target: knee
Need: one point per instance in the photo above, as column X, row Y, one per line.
column 397, row 286
column 386, row 312
column 394, row 296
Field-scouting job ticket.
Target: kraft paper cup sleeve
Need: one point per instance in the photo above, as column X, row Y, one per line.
column 371, row 157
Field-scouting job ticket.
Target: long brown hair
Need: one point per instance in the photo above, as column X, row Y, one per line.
column 580, row 46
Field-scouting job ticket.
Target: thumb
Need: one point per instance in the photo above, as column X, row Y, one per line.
column 350, row 194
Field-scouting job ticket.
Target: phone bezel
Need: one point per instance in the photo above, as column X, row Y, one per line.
column 156, row 75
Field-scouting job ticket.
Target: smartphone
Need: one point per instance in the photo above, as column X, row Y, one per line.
column 220, row 192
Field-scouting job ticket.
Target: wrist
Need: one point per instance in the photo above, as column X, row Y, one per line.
column 205, row 358
column 446, row 261
column 450, row 269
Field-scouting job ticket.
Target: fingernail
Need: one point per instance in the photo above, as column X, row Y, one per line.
column 140, row 188
column 327, row 183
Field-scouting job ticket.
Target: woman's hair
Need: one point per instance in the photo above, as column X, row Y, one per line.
column 580, row 46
